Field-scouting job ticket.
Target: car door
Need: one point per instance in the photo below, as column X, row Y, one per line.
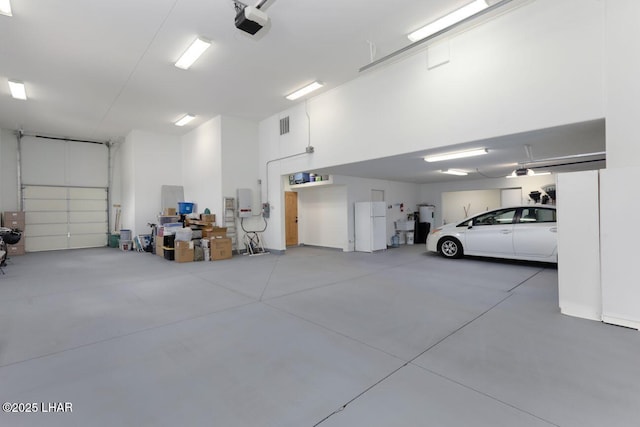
column 535, row 232
column 491, row 234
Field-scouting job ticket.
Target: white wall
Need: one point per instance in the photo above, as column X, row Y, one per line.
column 432, row 193
column 219, row 157
column 622, row 85
column 454, row 203
column 621, row 295
column 326, row 212
column 395, row 194
column 8, row 171
column 125, row 163
column 538, row 66
column 579, row 289
column 115, row 181
column 202, row 166
column 148, row 161
column 240, row 169
column 619, row 242
column 322, row 213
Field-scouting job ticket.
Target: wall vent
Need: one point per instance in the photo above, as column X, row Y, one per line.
column 284, row 125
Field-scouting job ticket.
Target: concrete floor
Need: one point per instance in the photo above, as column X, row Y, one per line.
column 313, row 337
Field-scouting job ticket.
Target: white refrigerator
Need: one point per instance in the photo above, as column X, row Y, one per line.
column 370, row 226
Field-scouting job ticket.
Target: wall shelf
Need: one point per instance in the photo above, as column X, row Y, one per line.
column 313, row 184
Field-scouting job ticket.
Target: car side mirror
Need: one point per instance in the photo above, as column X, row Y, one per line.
column 470, row 224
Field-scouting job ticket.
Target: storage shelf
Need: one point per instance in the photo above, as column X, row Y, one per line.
column 314, row 184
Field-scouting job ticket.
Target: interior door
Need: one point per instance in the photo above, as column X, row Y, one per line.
column 291, row 217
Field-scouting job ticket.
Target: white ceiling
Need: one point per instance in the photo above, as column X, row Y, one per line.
column 97, row 70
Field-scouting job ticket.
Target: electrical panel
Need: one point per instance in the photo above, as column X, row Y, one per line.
column 245, row 201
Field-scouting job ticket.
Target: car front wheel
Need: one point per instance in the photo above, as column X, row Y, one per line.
column 450, row 248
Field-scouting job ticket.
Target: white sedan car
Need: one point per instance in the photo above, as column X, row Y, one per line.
column 523, row 232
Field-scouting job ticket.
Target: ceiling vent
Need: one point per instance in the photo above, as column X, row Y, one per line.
column 284, row 125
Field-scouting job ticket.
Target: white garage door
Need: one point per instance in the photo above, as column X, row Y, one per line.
column 65, row 188
column 64, row 218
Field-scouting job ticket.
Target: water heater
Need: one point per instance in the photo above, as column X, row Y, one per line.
column 245, row 201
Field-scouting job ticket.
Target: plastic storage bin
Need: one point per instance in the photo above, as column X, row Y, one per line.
column 185, row 208
column 125, row 235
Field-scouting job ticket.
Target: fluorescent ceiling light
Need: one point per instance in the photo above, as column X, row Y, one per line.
column 454, row 172
column 529, row 173
column 448, row 20
column 456, row 155
column 17, row 89
column 192, row 54
column 185, row 119
column 305, row 90
column 5, row 8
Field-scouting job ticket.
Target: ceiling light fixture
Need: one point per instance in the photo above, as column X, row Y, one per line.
column 454, row 172
column 448, row 20
column 304, row 91
column 5, row 8
column 185, row 119
column 17, row 89
column 526, row 172
column 192, row 54
column 456, row 155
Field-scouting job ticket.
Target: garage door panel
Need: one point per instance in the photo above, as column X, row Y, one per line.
column 45, row 243
column 97, row 216
column 45, row 205
column 87, row 205
column 43, row 161
column 65, row 217
column 88, row 193
column 33, row 218
column 86, row 165
column 87, row 241
column 87, row 228
column 36, row 192
column 35, row 230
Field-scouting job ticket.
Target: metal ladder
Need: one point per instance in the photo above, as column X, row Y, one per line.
column 229, row 217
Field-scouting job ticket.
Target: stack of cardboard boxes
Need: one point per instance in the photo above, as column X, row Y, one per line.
column 211, row 238
column 14, row 219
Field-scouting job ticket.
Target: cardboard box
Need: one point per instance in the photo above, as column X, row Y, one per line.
column 14, row 223
column 19, row 215
column 219, row 232
column 211, row 218
column 13, row 219
column 220, row 248
column 169, row 212
column 184, row 251
column 13, row 250
column 159, row 245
